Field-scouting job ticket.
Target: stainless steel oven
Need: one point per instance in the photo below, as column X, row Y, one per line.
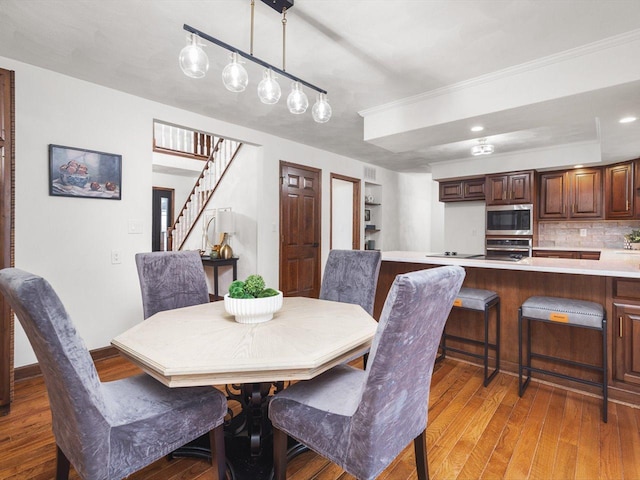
column 510, row 220
column 510, row 249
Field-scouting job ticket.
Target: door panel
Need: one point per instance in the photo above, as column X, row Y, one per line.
column 299, row 230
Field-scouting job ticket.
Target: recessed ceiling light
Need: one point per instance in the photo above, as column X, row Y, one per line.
column 578, row 166
column 627, row 119
column 477, row 128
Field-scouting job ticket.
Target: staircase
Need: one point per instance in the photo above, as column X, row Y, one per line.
column 224, row 152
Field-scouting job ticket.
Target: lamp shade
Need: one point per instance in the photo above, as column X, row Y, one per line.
column 225, row 222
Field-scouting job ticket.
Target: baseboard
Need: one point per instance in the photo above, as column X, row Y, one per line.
column 33, row 370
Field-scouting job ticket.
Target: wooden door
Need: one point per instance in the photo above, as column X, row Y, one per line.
column 618, row 191
column 586, row 193
column 553, row 195
column 626, row 325
column 7, row 156
column 299, row 230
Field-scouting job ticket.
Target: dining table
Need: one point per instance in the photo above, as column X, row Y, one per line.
column 204, row 345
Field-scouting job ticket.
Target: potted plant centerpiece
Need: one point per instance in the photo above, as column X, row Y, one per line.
column 251, row 302
column 634, row 239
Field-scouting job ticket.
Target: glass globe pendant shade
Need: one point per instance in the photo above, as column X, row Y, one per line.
column 193, row 61
column 268, row 89
column 321, row 110
column 234, row 76
column 297, row 101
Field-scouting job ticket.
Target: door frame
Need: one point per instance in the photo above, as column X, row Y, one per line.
column 7, row 234
column 355, row 243
column 172, row 193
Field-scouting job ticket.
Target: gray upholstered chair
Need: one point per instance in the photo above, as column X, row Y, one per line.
column 107, row 430
column 362, row 419
column 171, row 280
column 351, row 276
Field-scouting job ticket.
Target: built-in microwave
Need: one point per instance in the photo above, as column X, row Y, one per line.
column 510, row 219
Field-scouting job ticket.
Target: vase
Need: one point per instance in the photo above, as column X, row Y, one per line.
column 226, row 251
column 253, row 310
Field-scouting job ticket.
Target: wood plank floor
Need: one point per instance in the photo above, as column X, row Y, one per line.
column 473, row 433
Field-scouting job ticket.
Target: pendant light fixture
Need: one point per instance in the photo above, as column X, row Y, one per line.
column 194, row 63
column 234, row 75
column 483, row 148
column 321, row 110
column 269, row 90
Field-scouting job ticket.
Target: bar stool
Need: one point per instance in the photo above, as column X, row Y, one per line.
column 480, row 301
column 573, row 314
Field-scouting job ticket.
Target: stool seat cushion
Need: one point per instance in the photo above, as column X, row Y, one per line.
column 474, row 298
column 564, row 310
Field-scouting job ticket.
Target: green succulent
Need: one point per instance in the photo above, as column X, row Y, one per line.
column 268, row 292
column 252, row 287
column 634, row 236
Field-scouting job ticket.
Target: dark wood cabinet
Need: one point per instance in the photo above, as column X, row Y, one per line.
column 625, row 329
column 626, row 325
column 574, row 194
column 619, row 191
column 462, row 190
column 509, row 188
column 566, row 254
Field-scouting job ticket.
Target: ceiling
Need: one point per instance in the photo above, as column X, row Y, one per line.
column 365, row 53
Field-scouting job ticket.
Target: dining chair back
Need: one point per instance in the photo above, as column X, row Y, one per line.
column 107, row 430
column 351, row 276
column 171, row 280
column 362, row 419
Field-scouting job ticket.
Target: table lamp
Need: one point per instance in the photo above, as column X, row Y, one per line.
column 225, row 226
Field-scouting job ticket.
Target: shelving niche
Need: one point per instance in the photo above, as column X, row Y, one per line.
column 372, row 216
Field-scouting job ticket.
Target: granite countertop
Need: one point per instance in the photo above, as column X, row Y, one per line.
column 612, row 263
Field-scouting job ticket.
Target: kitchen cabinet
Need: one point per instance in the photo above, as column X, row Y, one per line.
column 570, row 195
column 591, row 255
column 462, row 190
column 619, row 191
column 509, row 188
column 626, row 331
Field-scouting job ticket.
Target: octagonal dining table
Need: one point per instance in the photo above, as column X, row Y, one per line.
column 204, row 345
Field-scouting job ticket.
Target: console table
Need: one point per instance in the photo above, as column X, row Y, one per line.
column 216, row 263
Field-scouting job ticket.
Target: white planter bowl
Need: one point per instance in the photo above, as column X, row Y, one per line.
column 253, row 310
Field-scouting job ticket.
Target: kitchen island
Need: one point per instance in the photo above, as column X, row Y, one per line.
column 613, row 281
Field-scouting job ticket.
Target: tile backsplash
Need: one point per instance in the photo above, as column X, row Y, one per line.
column 600, row 234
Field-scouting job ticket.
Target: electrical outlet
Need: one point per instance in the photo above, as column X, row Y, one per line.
column 115, row 257
column 583, row 232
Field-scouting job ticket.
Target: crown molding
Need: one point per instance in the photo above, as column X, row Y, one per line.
column 610, row 42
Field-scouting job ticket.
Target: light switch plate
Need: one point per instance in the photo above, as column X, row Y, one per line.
column 135, row 227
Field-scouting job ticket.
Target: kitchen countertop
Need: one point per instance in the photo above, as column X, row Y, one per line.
column 612, row 263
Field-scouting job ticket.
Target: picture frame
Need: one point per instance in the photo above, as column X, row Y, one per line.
column 82, row 173
column 367, row 215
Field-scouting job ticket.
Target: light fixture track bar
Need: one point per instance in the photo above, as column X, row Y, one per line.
column 226, row 46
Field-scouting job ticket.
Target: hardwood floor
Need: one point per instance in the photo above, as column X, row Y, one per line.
column 473, row 433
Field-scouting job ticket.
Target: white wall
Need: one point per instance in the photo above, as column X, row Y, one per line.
column 464, row 227
column 69, row 240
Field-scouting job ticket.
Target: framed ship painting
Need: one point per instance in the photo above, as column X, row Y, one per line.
column 76, row 172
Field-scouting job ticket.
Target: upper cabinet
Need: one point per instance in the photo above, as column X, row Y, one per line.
column 619, row 191
column 509, row 188
column 573, row 194
column 462, row 190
